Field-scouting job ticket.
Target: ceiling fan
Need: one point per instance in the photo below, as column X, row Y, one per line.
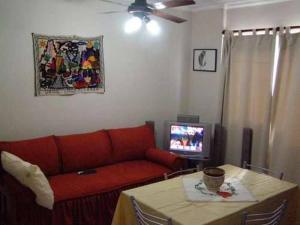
column 142, row 9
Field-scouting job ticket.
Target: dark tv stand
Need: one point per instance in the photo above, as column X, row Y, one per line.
column 195, row 161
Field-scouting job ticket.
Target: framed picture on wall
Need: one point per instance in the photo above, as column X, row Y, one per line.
column 205, row 60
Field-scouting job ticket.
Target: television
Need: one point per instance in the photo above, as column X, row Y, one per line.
column 183, row 118
column 190, row 139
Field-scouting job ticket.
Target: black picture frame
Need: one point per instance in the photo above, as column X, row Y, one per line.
column 205, row 59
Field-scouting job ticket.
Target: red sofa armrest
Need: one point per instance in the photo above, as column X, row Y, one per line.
column 171, row 160
column 14, row 189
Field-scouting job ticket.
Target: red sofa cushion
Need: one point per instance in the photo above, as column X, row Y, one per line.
column 165, row 158
column 107, row 178
column 39, row 151
column 84, row 151
column 131, row 143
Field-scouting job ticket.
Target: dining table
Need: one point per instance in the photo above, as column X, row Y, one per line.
column 168, row 199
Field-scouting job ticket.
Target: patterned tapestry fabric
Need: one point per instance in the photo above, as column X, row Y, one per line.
column 68, row 65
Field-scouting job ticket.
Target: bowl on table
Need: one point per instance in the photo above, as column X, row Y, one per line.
column 213, row 178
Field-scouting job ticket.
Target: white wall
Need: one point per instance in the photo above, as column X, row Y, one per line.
column 205, row 88
column 272, row 15
column 146, row 77
column 142, row 72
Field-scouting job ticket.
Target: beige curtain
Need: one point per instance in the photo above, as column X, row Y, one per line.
column 285, row 124
column 248, row 64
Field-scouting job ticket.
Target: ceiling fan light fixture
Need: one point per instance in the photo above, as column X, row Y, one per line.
column 146, row 19
column 133, row 25
column 143, row 9
column 159, row 5
column 153, row 27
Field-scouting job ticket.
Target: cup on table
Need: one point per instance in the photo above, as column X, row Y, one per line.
column 213, row 178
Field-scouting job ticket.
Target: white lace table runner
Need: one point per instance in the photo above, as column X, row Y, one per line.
column 231, row 191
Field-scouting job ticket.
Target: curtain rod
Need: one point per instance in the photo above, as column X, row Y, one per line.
column 262, row 29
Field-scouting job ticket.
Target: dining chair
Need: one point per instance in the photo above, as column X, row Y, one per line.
column 143, row 218
column 271, row 218
column 263, row 170
column 181, row 172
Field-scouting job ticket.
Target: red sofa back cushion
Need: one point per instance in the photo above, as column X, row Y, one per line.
column 40, row 151
column 84, row 151
column 131, row 143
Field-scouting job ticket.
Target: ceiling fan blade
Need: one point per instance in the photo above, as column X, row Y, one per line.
column 112, row 12
column 115, row 2
column 173, row 3
column 168, row 16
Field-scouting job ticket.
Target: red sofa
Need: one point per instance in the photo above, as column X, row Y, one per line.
column 124, row 158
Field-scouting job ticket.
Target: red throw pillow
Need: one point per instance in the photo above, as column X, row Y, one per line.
column 39, row 151
column 166, row 158
column 84, row 151
column 131, row 143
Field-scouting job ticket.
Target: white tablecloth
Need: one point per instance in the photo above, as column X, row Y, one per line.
column 195, row 190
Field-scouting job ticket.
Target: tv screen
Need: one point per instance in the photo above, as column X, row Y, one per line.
column 187, row 138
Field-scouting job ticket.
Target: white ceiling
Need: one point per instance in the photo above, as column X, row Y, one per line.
column 208, row 4
column 205, row 4
column 211, row 4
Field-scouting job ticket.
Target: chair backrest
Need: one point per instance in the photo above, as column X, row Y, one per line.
column 143, row 218
column 181, row 172
column 271, row 218
column 263, row 170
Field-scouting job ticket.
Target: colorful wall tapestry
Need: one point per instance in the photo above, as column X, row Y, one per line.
column 68, row 65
